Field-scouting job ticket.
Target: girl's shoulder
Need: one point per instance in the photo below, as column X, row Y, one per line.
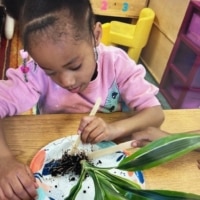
column 114, row 55
column 29, row 73
column 111, row 50
column 115, row 58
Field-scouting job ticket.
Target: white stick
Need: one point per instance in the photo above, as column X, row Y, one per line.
column 110, row 150
column 92, row 113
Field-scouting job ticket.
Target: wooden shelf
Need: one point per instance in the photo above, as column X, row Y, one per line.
column 180, row 83
column 118, row 8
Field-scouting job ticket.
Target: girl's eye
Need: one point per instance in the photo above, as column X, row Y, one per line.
column 50, row 73
column 76, row 68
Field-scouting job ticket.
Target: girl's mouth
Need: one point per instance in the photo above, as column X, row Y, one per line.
column 74, row 90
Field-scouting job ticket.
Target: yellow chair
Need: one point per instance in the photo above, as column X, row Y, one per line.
column 133, row 36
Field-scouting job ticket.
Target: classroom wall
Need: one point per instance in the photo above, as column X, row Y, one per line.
column 169, row 16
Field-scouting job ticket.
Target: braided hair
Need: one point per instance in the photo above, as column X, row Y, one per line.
column 51, row 18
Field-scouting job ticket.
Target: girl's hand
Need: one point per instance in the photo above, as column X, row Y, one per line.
column 150, row 134
column 93, row 130
column 16, row 180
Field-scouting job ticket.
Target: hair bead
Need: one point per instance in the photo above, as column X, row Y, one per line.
column 24, row 67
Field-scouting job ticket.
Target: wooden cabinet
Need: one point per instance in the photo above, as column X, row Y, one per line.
column 118, row 8
column 180, row 83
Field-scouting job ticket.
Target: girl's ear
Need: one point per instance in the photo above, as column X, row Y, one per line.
column 97, row 33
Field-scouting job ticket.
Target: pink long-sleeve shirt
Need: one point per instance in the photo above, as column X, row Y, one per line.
column 119, row 81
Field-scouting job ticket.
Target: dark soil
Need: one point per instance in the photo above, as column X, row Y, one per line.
column 68, row 164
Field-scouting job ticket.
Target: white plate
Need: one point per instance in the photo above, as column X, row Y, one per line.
column 59, row 187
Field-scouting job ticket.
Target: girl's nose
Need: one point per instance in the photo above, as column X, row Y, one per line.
column 67, row 80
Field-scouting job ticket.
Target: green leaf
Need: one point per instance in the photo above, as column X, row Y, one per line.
column 74, row 191
column 109, row 190
column 123, row 183
column 105, row 182
column 99, row 193
column 161, row 195
column 104, row 189
column 110, row 186
column 160, row 151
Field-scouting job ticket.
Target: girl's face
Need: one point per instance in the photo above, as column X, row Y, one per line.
column 70, row 64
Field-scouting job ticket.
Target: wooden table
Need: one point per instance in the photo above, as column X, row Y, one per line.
column 27, row 134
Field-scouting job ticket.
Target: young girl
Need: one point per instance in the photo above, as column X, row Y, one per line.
column 68, row 71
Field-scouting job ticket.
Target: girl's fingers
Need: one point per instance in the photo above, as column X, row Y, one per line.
column 139, row 143
column 91, row 130
column 6, row 193
column 98, row 138
column 20, row 185
column 84, row 122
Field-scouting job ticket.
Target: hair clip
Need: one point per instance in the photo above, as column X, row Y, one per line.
column 24, row 68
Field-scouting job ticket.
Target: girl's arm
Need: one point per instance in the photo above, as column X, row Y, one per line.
column 153, row 116
column 95, row 129
column 142, row 138
column 16, row 179
column 4, row 150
